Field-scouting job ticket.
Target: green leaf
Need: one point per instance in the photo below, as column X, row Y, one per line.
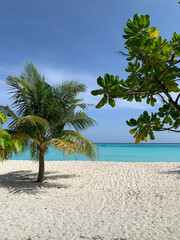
column 3, row 118
column 101, row 81
column 129, row 23
column 2, row 144
column 152, row 101
column 170, row 121
column 102, row 102
column 146, row 115
column 147, row 23
column 175, row 115
column 128, row 31
column 97, row 92
column 130, row 98
column 111, row 102
column 136, row 19
column 132, row 122
column 151, row 134
column 17, row 146
column 137, row 98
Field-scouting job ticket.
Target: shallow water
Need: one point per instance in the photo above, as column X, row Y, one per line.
column 121, row 153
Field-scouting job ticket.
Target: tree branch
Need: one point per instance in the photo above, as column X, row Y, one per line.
column 125, row 54
column 142, row 57
column 148, row 84
column 167, row 69
column 177, row 99
column 163, row 99
column 169, row 129
column 164, row 89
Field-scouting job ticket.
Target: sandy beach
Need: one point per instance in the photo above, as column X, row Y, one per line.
column 90, row 200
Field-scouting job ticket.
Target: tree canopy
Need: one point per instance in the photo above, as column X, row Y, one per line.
column 8, row 145
column 153, row 68
column 41, row 116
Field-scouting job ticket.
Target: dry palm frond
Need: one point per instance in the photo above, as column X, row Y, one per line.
column 67, row 148
column 77, row 143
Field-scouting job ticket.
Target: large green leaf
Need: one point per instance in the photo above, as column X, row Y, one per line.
column 102, row 102
column 17, row 146
column 101, row 81
column 3, row 118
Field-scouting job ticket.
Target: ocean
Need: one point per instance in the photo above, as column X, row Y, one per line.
column 120, row 153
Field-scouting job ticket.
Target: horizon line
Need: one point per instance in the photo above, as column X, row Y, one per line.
column 132, row 143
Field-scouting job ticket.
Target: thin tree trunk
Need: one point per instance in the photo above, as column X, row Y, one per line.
column 41, row 166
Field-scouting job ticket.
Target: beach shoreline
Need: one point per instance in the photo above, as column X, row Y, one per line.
column 90, row 200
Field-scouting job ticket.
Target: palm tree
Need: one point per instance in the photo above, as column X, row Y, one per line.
column 43, row 115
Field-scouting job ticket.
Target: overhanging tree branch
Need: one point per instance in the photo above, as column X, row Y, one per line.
column 153, row 71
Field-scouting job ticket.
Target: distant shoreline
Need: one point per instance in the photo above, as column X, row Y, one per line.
column 136, row 144
column 119, row 152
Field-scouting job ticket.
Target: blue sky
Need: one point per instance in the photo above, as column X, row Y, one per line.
column 78, row 40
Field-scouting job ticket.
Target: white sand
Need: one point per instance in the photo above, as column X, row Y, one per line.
column 90, row 200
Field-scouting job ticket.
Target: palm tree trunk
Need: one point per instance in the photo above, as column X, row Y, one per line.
column 41, row 166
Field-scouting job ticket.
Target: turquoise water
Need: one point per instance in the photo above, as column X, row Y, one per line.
column 121, row 153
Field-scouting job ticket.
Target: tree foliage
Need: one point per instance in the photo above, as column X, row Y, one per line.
column 41, row 115
column 153, row 68
column 8, row 145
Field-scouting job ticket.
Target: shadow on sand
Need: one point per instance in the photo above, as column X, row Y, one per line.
column 24, row 181
column 175, row 172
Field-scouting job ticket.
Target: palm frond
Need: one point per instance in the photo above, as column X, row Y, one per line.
column 78, row 102
column 66, row 147
column 32, row 121
column 19, row 93
column 29, row 91
column 9, row 112
column 72, row 87
column 23, row 138
column 66, row 92
column 54, row 109
column 71, row 140
column 84, row 106
column 80, row 121
column 34, row 152
column 30, row 72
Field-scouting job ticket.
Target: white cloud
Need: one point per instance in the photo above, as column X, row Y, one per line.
column 54, row 76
